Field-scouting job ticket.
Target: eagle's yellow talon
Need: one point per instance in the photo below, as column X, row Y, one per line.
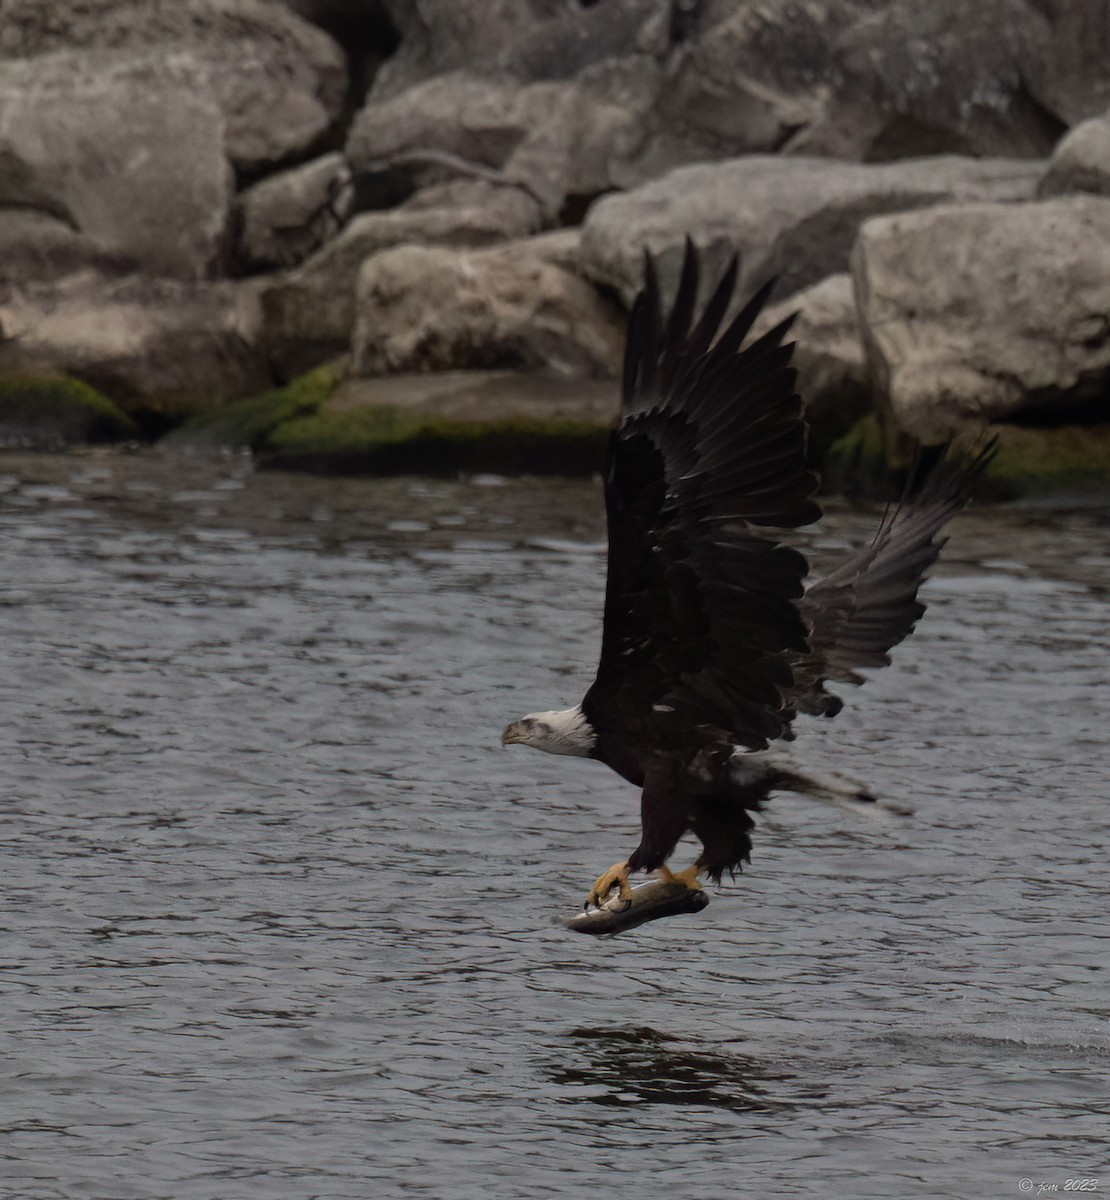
column 615, row 877
column 689, row 877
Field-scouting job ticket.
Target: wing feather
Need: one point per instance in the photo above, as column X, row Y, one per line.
column 701, row 609
column 860, row 611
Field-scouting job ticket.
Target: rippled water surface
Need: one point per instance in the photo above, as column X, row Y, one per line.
column 282, row 920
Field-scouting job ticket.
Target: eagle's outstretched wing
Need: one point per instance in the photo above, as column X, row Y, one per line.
column 868, row 604
column 701, row 611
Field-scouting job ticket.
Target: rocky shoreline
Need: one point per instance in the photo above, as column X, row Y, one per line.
column 397, row 236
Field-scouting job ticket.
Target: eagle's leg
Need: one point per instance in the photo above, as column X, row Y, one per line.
column 689, row 877
column 615, row 877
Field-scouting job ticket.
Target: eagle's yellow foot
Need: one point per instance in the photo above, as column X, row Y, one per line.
column 689, row 877
column 615, row 877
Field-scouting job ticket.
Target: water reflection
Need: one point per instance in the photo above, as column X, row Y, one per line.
column 621, row 1066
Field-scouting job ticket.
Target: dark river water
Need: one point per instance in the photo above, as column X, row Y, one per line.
column 282, row 920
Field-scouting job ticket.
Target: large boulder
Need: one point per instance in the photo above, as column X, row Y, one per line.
column 156, row 346
column 792, row 217
column 129, row 163
column 310, row 310
column 752, row 78
column 1081, row 162
column 988, row 313
column 279, row 81
column 880, row 80
column 833, row 377
column 442, row 35
column 939, row 78
column 513, row 306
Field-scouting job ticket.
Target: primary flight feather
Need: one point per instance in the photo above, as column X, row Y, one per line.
column 712, row 641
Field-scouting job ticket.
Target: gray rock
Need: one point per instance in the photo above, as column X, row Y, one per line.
column 279, row 81
column 833, row 377
column 1081, row 162
column 471, row 397
column 288, row 216
column 133, row 162
column 158, row 345
column 479, row 121
column 1070, row 78
column 577, row 38
column 751, row 76
column 310, row 311
column 988, row 312
column 439, row 308
column 794, row 217
column 441, row 35
column 945, row 77
column 559, row 247
column 23, row 187
column 36, row 246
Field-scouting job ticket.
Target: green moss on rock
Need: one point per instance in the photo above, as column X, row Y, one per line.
column 856, row 463
column 1035, row 462
column 1029, row 462
column 384, row 439
column 248, row 423
column 46, row 412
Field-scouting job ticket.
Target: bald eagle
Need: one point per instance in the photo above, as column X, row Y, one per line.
column 712, row 640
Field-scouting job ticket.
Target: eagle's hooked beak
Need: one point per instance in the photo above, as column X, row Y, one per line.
column 513, row 734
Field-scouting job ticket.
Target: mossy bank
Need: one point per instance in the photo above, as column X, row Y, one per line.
column 1067, row 461
column 473, row 421
column 500, row 421
column 55, row 411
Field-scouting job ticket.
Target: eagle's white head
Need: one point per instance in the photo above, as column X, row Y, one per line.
column 558, row 732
